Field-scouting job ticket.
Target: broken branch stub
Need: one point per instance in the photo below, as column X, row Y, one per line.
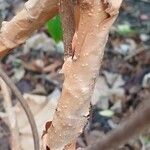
column 34, row 14
column 80, row 73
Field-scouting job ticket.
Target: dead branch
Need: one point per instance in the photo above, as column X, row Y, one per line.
column 25, row 106
column 96, row 18
column 68, row 24
column 34, row 14
column 137, row 123
column 15, row 142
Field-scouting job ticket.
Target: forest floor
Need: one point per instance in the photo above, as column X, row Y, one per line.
column 123, row 82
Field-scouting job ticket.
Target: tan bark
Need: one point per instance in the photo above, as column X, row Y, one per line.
column 96, row 18
column 34, row 15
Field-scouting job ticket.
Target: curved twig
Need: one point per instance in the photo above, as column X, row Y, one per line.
column 24, row 105
column 15, row 141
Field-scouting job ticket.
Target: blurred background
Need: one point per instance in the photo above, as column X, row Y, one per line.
column 123, row 82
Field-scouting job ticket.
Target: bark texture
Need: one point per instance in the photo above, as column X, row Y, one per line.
column 34, row 15
column 96, row 18
column 66, row 12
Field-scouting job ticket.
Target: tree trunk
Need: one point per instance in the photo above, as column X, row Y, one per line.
column 96, row 18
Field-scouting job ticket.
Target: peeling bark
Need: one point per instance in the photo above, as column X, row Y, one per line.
column 34, row 15
column 96, row 18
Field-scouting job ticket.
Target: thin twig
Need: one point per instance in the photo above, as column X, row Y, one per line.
column 138, row 51
column 68, row 24
column 24, row 105
column 15, row 144
column 137, row 123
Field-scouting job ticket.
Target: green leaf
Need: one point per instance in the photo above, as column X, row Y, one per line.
column 125, row 30
column 16, row 63
column 106, row 113
column 54, row 28
column 146, row 139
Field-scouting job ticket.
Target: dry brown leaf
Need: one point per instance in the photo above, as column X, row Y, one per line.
column 52, row 67
column 39, row 106
column 34, row 65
